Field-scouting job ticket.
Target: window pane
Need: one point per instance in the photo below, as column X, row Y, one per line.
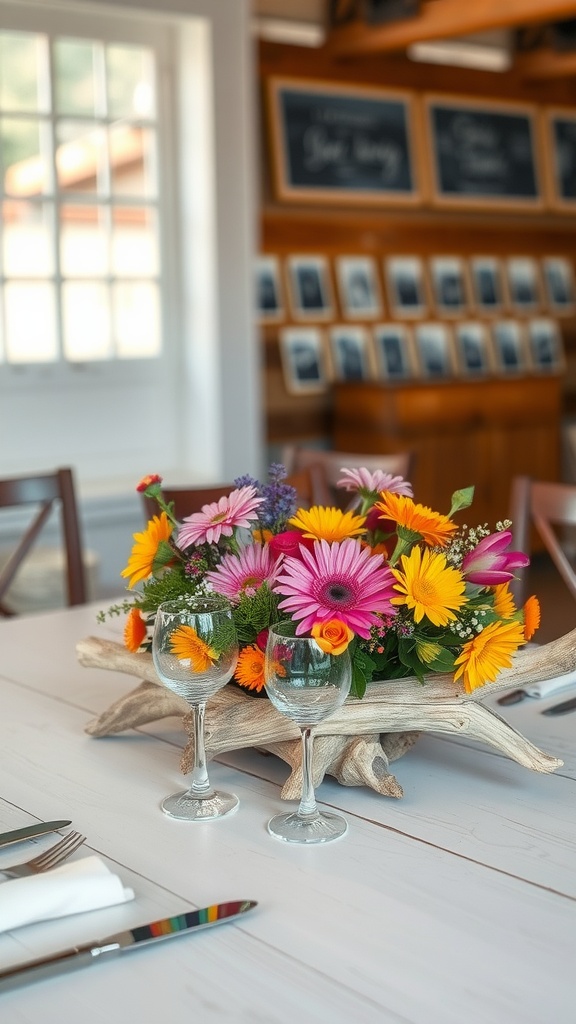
column 86, row 321
column 137, row 319
column 75, row 77
column 30, row 323
column 134, row 241
column 131, row 89
column 80, row 157
column 25, row 156
column 132, row 160
column 23, row 71
column 83, row 241
column 28, row 239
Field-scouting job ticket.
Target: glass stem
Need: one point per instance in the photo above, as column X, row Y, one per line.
column 200, row 786
column 307, row 807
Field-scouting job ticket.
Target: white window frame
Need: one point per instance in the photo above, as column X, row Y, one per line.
column 213, row 370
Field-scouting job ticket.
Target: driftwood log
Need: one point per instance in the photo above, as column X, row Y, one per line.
column 355, row 745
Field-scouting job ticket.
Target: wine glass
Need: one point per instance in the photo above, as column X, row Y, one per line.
column 195, row 650
column 307, row 685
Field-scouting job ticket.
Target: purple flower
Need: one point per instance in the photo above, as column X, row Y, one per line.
column 489, row 564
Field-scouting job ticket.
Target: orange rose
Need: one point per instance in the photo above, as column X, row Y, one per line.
column 333, row 636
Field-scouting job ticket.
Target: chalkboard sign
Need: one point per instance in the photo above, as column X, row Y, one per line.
column 341, row 143
column 562, row 149
column 483, row 153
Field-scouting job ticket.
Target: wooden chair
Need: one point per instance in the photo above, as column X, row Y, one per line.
column 542, row 506
column 191, row 499
column 46, row 490
column 327, row 466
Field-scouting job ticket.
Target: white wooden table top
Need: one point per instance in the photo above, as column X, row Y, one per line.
column 455, row 904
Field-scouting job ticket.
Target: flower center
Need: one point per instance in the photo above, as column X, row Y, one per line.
column 335, row 594
column 218, row 518
column 424, row 591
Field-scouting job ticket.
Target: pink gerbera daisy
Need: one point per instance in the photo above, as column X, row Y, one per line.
column 363, row 480
column 342, row 580
column 243, row 573
column 220, row 518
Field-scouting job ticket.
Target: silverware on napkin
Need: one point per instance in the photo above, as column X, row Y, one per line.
column 31, row 831
column 124, row 942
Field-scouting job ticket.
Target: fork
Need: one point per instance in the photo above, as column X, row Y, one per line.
column 49, row 859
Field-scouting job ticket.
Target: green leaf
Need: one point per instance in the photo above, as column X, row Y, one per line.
column 461, row 499
column 362, row 672
column 164, row 555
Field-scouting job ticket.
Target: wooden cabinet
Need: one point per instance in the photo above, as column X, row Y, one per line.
column 461, row 433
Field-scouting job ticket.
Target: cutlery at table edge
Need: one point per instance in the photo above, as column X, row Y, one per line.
column 40, row 828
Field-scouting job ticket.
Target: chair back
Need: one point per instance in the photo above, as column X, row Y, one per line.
column 543, row 506
column 47, row 491
column 327, row 466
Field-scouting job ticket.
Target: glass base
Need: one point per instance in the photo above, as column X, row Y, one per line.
column 293, row 828
column 187, row 807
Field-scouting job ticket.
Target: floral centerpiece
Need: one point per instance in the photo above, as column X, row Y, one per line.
column 404, row 588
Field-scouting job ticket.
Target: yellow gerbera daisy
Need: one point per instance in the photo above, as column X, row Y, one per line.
column 503, row 601
column 330, row 524
column 488, row 653
column 250, row 668
column 429, row 586
column 145, row 548
column 531, row 616
column 134, row 630
column 435, row 528
column 188, row 646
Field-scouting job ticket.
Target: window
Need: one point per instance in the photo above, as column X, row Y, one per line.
column 79, row 246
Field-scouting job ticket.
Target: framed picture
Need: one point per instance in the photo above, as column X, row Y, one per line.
column 393, row 348
column 303, row 360
column 310, row 288
column 350, row 351
column 560, row 150
column 524, row 283
column 449, row 285
column 509, row 347
column 335, row 142
column 269, row 298
column 558, row 274
column 473, row 348
column 487, row 284
column 406, row 286
column 433, row 344
column 484, row 153
column 545, row 344
column 358, row 287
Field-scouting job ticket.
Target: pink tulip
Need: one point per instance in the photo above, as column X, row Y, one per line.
column 289, row 543
column 489, row 564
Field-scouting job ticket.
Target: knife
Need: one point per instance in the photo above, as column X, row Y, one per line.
column 30, row 831
column 561, row 709
column 124, row 942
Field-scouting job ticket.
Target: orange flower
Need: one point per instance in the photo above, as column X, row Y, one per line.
column 188, row 646
column 503, row 601
column 262, row 536
column 250, row 669
column 333, row 636
column 531, row 616
column 141, row 561
column 147, row 482
column 433, row 527
column 134, row 630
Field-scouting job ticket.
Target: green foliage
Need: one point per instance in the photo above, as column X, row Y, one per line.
column 363, row 668
column 223, row 636
column 253, row 614
column 461, row 499
column 169, row 587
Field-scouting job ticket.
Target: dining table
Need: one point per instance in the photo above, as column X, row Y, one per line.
column 455, row 903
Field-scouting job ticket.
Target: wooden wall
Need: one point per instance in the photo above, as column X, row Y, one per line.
column 333, row 229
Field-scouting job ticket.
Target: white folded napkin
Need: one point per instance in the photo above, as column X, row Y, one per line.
column 74, row 888
column 549, row 686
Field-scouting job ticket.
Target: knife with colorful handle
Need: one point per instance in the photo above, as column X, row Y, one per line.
column 124, row 942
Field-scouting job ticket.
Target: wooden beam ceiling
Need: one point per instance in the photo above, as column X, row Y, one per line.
column 445, row 19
